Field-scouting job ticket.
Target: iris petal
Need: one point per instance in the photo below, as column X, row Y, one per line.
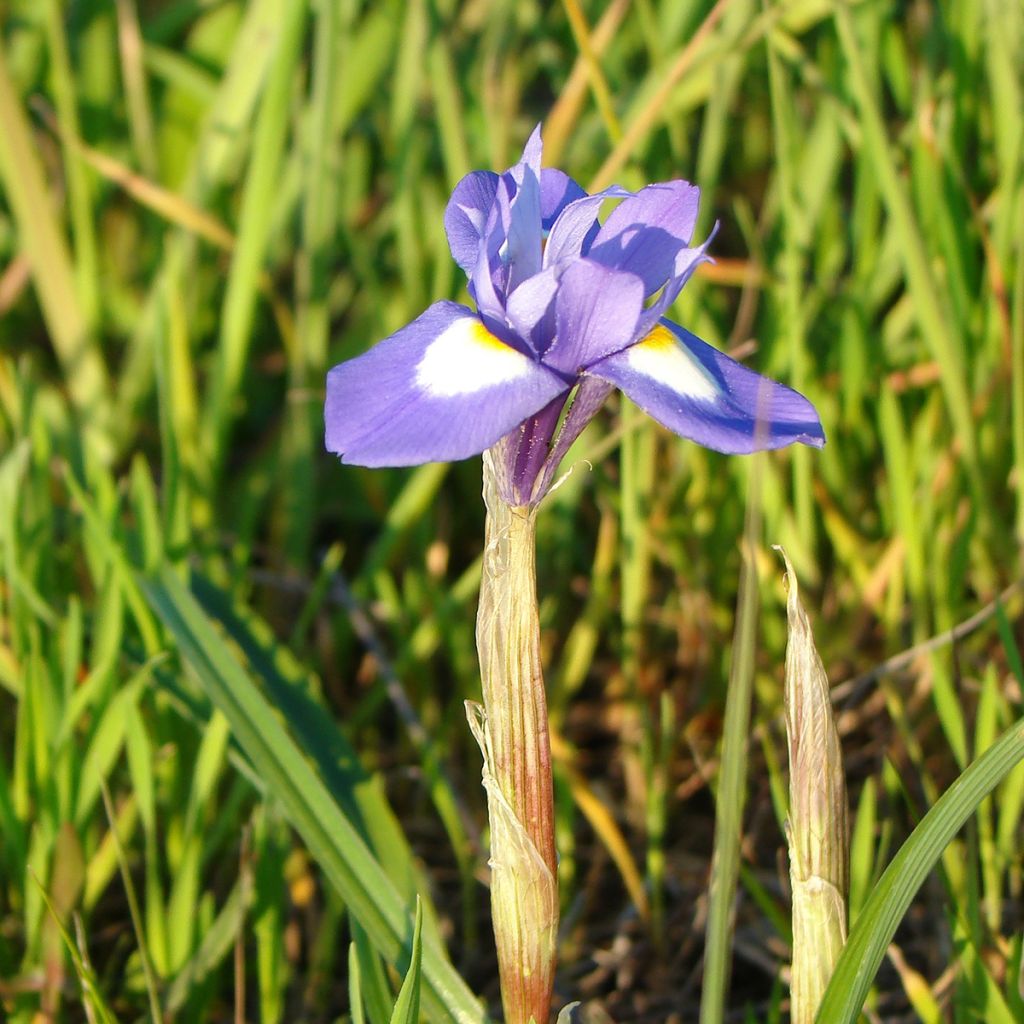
column 645, row 233
column 510, row 250
column 442, row 388
column 557, row 191
column 596, row 313
column 576, row 226
column 700, row 393
column 465, row 217
column 686, row 262
column 530, row 309
column 523, row 233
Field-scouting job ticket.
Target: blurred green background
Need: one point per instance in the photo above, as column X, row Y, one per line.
column 206, row 203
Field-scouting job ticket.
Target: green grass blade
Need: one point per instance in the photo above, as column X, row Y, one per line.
column 359, row 794
column 301, row 443
column 140, row 117
column 375, row 992
column 930, row 308
column 80, row 198
column 794, row 272
column 217, row 152
column 92, row 995
column 331, row 838
column 258, row 206
column 134, row 912
column 41, row 238
column 407, row 1006
column 216, row 944
column 355, row 986
column 1017, row 384
column 877, row 923
column 731, row 796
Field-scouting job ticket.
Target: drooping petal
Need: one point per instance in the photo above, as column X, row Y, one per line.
column 465, row 217
column 645, row 232
column 557, row 191
column 700, row 393
column 442, row 388
column 596, row 313
column 577, row 226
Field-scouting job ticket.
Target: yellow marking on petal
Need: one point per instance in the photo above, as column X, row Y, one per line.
column 465, row 357
column 661, row 357
column 660, row 339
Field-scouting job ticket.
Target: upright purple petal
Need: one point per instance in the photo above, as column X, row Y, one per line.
column 596, row 313
column 577, row 225
column 441, row 388
column 645, row 233
column 700, row 393
column 687, row 261
column 465, row 217
column 510, row 251
column 530, row 309
column 524, row 237
column 489, row 276
column 557, row 190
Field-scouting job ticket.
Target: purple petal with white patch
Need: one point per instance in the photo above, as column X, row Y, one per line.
column 442, row 388
column 700, row 393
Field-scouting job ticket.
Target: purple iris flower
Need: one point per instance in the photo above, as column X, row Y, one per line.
column 566, row 305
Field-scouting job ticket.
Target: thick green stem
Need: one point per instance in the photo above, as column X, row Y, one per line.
column 512, row 730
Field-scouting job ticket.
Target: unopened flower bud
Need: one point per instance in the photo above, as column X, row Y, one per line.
column 817, row 830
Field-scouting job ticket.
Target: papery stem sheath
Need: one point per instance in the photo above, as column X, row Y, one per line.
column 512, row 730
column 817, row 829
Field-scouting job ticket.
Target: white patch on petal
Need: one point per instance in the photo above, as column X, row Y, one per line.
column 661, row 357
column 465, row 358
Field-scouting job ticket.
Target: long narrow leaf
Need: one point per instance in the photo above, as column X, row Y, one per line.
column 407, row 1006
column 333, row 842
column 355, row 989
column 41, row 238
column 877, row 923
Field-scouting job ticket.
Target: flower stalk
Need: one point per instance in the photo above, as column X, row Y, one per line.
column 569, row 304
column 512, row 730
column 817, row 830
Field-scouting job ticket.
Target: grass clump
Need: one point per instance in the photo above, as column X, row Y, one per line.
column 202, row 207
